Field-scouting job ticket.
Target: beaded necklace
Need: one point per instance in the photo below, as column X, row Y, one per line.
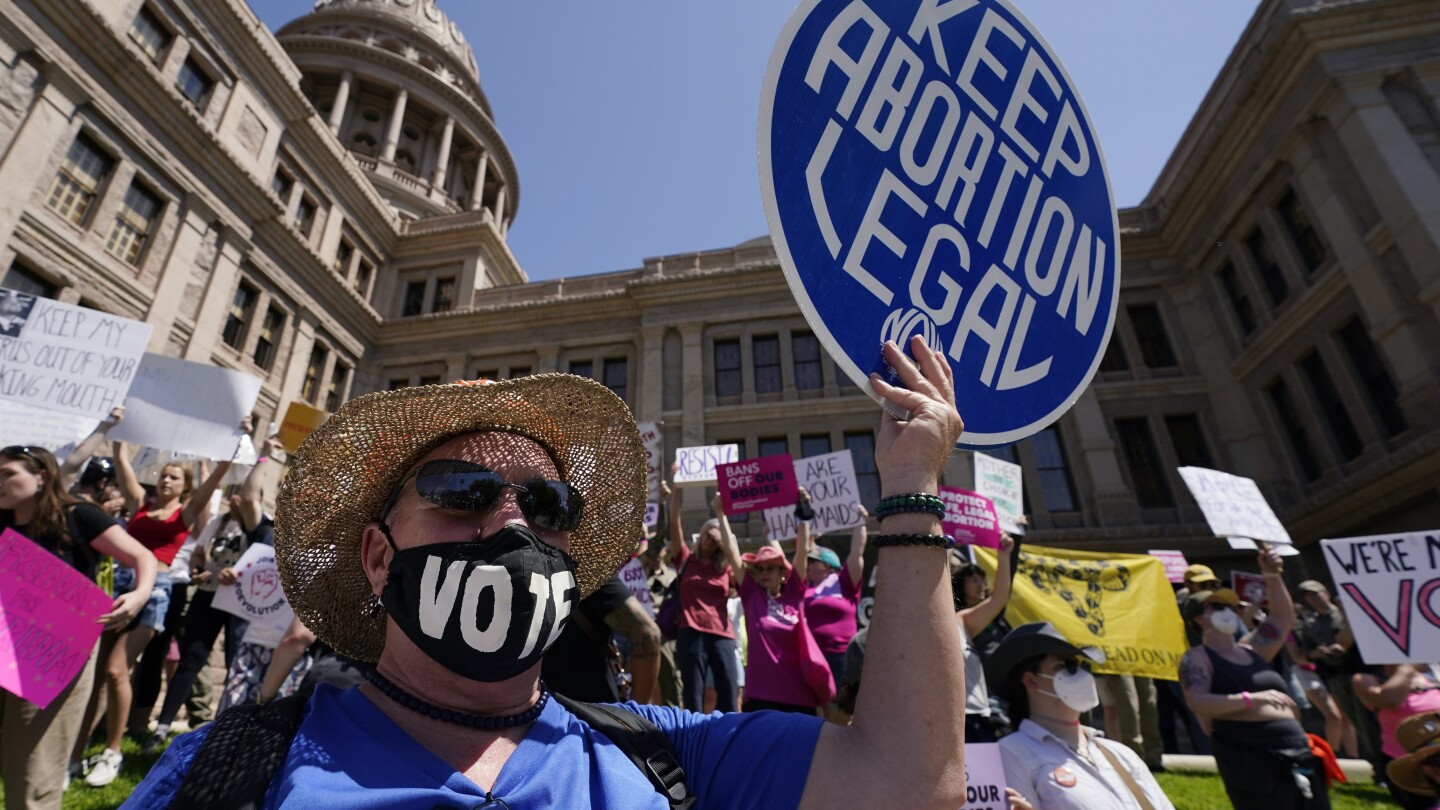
column 485, row 722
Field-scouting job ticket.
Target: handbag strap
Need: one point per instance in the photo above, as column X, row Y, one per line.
column 1126, row 775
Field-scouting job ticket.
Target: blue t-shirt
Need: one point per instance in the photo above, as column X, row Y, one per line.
column 348, row 754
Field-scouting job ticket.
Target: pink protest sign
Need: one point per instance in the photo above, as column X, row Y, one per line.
column 1251, row 588
column 1175, row 564
column 970, row 518
column 768, row 482
column 48, row 620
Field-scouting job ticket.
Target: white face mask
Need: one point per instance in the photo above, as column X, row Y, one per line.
column 1225, row 621
column 1075, row 689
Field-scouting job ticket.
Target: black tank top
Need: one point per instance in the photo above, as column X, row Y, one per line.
column 1232, row 679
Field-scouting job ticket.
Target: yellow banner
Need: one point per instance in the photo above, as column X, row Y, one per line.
column 1121, row 603
column 300, row 421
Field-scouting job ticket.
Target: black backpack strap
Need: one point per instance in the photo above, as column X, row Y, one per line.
column 241, row 754
column 643, row 742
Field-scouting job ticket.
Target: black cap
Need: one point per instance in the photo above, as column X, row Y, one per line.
column 96, row 470
column 1029, row 641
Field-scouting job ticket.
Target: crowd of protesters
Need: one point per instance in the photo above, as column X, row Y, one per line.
column 706, row 627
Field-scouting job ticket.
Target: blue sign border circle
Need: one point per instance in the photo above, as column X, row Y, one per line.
column 858, row 375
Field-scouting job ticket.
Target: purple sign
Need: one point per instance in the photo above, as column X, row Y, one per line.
column 761, row 483
column 970, row 518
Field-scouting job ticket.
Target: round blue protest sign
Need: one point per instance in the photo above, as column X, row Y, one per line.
column 928, row 168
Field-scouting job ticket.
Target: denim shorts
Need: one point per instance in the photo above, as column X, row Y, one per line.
column 153, row 614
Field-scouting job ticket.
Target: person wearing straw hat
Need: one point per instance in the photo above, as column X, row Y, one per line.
column 1418, row 772
column 445, row 532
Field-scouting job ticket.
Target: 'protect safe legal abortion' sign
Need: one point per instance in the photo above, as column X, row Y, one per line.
column 928, row 168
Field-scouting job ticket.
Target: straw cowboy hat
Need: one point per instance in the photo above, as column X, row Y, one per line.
column 1419, row 735
column 341, row 476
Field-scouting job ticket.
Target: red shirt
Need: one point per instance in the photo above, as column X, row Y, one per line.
column 163, row 537
column 704, row 594
column 830, row 610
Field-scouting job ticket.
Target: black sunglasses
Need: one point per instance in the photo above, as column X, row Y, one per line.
column 554, row 506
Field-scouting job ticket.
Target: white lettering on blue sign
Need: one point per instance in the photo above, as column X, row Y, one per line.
column 928, row 168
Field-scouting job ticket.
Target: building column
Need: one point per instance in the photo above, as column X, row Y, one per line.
column 397, row 117
column 442, row 161
column 500, row 205
column 1114, row 503
column 547, row 359
column 455, row 368
column 477, row 194
column 342, row 100
column 692, row 421
column 47, row 127
column 650, row 377
column 190, row 235
column 219, row 292
column 300, row 347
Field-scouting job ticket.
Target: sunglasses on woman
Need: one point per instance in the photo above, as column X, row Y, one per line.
column 554, row 506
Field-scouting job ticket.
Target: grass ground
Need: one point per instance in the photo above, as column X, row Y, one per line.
column 1188, row 791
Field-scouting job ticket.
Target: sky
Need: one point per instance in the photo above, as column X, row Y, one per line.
column 633, row 122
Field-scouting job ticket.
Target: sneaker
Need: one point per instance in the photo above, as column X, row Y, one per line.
column 107, row 767
column 155, row 742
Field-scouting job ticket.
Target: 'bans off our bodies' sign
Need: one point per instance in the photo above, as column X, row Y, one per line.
column 928, row 168
column 759, row 483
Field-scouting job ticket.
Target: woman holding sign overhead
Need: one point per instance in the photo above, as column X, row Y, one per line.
column 35, row 743
column 161, row 524
column 1261, row 751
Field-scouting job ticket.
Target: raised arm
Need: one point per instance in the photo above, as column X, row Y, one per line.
column 905, row 746
column 197, row 506
column 252, row 491
column 675, row 533
column 977, row 617
column 855, row 562
column 802, row 538
column 75, row 462
column 126, row 479
column 728, row 543
column 1269, row 638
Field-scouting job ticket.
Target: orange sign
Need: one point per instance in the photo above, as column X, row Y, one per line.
column 300, row 421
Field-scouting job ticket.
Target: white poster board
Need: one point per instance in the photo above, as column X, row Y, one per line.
column 187, row 407
column 1234, row 506
column 257, row 596
column 834, row 493
column 695, row 466
column 64, row 358
column 38, row 427
column 654, row 457
column 652, row 515
column 1390, row 587
column 984, row 778
column 1003, row 483
column 637, row 583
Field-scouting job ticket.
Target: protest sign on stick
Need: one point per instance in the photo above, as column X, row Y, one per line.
column 1004, row 484
column 651, row 439
column 1121, row 603
column 66, row 359
column 257, row 596
column 695, row 466
column 1175, row 564
column 1390, row 587
column 187, row 407
column 1251, row 587
column 300, row 421
column 49, row 616
column 984, row 778
column 758, row 483
column 834, row 494
column 1234, row 506
column 995, row 239
column 38, row 427
column 652, row 514
column 970, row 517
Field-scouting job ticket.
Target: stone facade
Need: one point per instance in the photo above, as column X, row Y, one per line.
column 326, row 208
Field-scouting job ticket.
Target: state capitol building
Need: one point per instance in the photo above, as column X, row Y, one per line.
column 326, row 208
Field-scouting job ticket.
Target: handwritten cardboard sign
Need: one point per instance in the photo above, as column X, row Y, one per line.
column 984, row 778
column 64, row 358
column 38, row 427
column 834, row 494
column 1234, row 506
column 1003, row 483
column 651, row 439
column 758, row 483
column 652, row 514
column 187, row 407
column 1175, row 564
column 970, row 517
column 1251, row 588
column 637, row 583
column 257, row 596
column 48, row 620
column 300, row 421
column 1390, row 585
column 696, row 465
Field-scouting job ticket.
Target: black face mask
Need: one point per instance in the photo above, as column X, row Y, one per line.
column 486, row 610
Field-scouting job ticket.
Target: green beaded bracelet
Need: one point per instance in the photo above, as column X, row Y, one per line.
column 938, row 540
column 913, row 502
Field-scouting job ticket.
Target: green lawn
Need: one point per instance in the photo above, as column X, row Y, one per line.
column 1203, row 791
column 1189, row 791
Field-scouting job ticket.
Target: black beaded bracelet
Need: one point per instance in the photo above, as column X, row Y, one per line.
column 917, row 502
column 937, row 540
